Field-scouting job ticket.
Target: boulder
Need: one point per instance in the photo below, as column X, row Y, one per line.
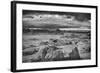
column 30, row 51
column 74, row 55
column 84, row 49
column 58, row 55
column 54, row 56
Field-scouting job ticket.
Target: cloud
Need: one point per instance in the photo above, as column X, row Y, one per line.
column 52, row 21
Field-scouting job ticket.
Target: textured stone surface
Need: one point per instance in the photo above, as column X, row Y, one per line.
column 52, row 48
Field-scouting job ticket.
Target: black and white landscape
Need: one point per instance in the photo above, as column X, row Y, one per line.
column 55, row 36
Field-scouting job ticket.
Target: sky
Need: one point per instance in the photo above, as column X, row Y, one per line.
column 48, row 19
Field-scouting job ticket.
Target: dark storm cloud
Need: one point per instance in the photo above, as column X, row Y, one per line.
column 56, row 19
column 87, row 15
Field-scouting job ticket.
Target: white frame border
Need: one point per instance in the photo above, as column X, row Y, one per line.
column 34, row 65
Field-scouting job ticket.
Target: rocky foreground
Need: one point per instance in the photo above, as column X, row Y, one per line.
column 56, row 49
